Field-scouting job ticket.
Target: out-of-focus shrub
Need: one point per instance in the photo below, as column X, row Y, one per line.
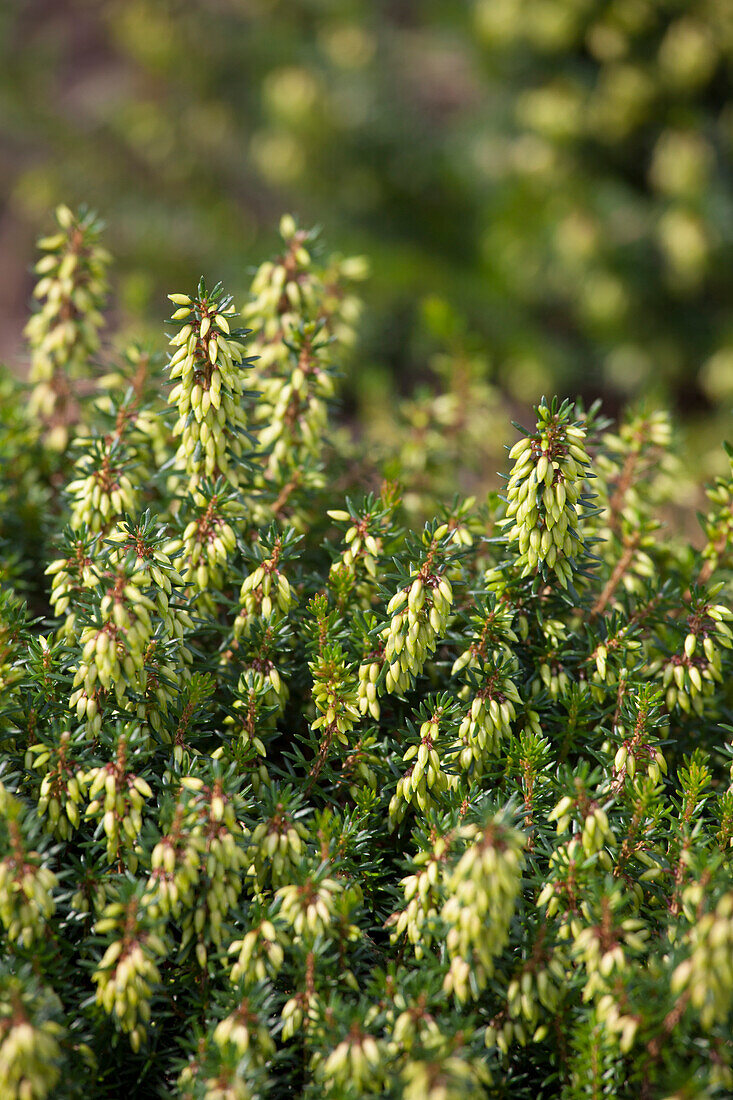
column 555, row 170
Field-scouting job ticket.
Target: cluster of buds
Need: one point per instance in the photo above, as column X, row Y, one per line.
column 718, row 523
column 638, row 753
column 360, row 767
column 616, row 1027
column 209, row 361
column 367, row 527
column 313, row 907
column 605, row 940
column 691, row 675
column 367, row 690
column 257, row 593
column 567, row 880
column 492, row 635
column 13, row 615
column 127, row 972
column 371, row 648
column 426, row 781
column 262, row 648
column 266, row 592
column 164, row 679
column 411, row 1022
column 101, row 491
column 303, row 1009
column 211, row 889
column 610, row 658
column 251, row 717
column 297, row 309
column 118, row 797
column 244, row 1031
column 419, row 615
column 202, row 551
column 64, row 332
column 705, row 977
column 551, row 675
column 293, row 409
column 61, row 794
column 26, row 884
column 213, row 1074
column 30, row 1040
column 423, row 892
column 259, row 954
column 293, row 286
column 135, row 580
column 491, row 698
column 70, row 575
column 636, row 469
column 334, row 694
column 334, row 689
column 282, row 291
column 544, row 495
column 356, row 1062
column 481, row 893
column 596, row 831
column 531, row 997
column 175, row 862
column 447, row 1071
column 634, row 757
column 277, row 844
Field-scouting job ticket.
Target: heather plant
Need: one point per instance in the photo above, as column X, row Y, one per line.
column 301, row 796
column 63, row 332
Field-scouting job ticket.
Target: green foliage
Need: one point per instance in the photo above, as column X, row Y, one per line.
column 302, row 797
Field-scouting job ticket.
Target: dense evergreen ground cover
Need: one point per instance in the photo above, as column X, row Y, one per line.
column 304, row 796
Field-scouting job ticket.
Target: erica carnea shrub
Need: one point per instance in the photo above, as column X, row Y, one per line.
column 302, row 796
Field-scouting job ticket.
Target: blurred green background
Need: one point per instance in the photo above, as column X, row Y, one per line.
column 543, row 187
